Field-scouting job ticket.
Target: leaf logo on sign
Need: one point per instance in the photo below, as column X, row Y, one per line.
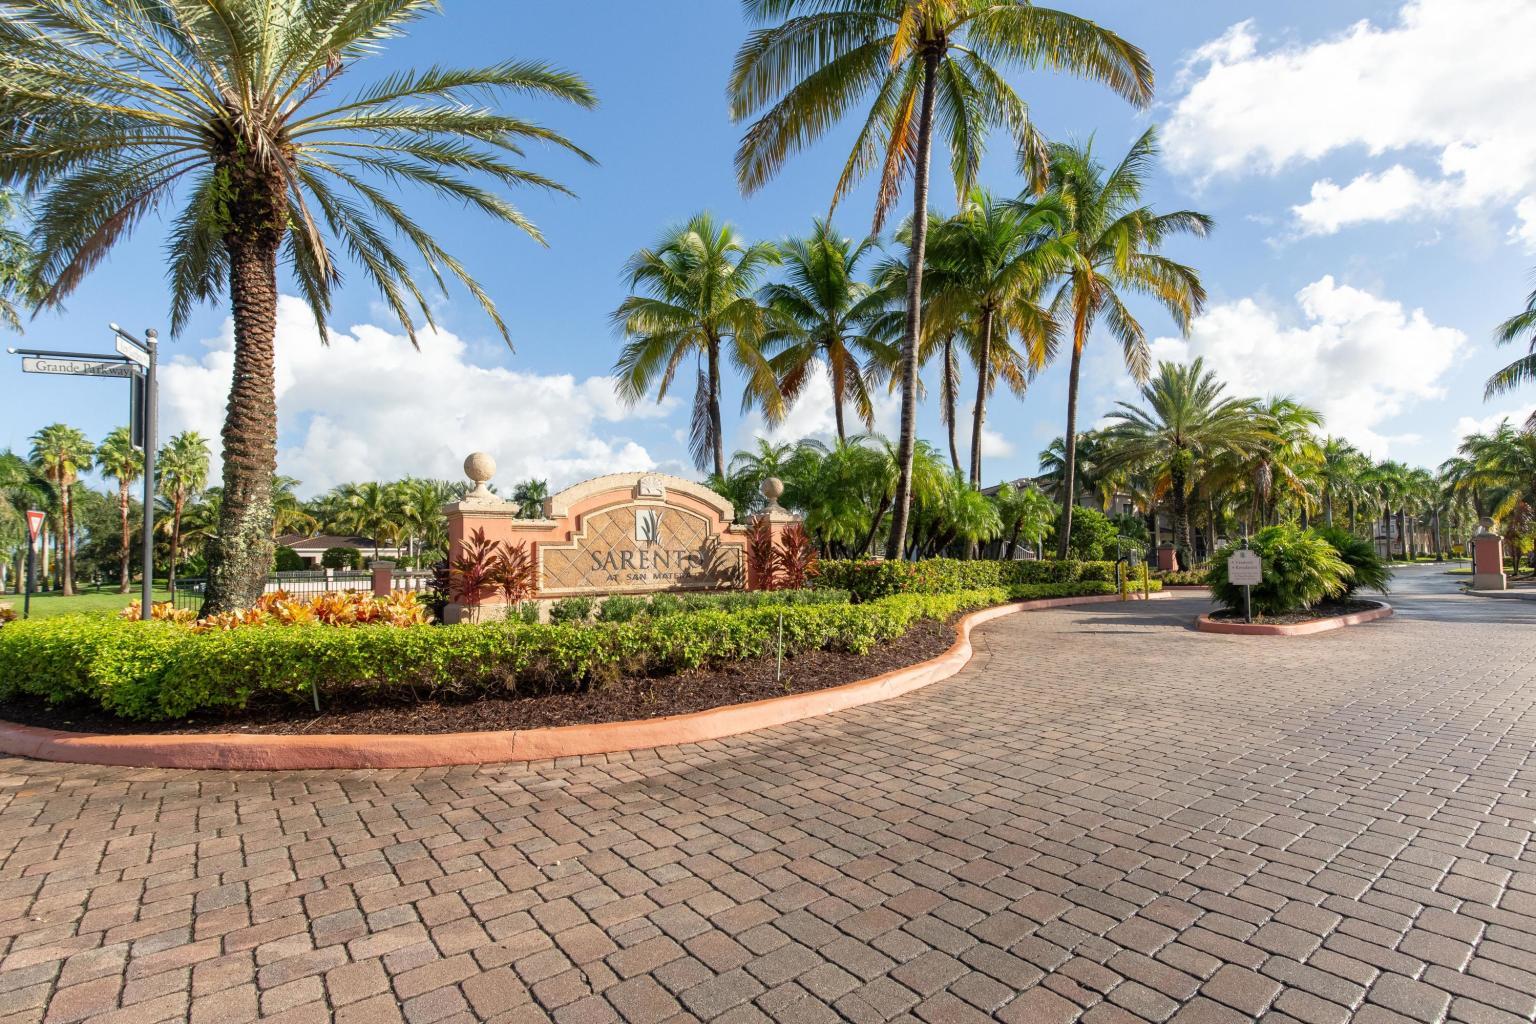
column 648, row 526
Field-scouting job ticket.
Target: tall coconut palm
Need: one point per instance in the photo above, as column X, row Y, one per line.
column 17, row 281
column 823, row 315
column 696, row 297
column 1117, row 242
column 181, row 473
column 119, row 459
column 1281, row 465
column 61, row 453
column 228, row 117
column 989, row 264
column 1340, row 467
column 1522, row 324
column 1185, row 423
column 921, row 66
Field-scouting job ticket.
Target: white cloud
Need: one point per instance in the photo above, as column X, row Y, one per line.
column 1525, row 232
column 1446, row 80
column 368, row 406
column 1358, row 358
column 1487, row 424
column 812, row 415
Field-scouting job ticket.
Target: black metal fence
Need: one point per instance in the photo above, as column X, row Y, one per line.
column 189, row 591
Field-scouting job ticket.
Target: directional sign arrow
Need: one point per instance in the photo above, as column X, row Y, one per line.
column 133, row 352
column 78, row 367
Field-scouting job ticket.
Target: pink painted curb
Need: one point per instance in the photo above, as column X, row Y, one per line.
column 266, row 753
column 1206, row 624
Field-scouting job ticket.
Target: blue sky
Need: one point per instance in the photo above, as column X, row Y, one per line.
column 1371, row 172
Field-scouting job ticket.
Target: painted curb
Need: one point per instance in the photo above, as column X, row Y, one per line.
column 233, row 751
column 1205, row 624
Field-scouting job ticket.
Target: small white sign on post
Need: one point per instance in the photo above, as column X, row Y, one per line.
column 1245, row 569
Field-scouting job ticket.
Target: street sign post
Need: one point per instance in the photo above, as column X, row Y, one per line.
column 132, row 352
column 78, row 367
column 1245, row 569
column 34, row 530
column 135, row 360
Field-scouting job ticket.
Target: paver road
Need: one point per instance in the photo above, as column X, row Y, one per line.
column 1105, row 817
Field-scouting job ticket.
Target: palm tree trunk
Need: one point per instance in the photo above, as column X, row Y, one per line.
column 1069, row 484
column 242, row 550
column 839, row 384
column 176, row 508
column 1184, row 539
column 1013, row 539
column 67, row 542
column 979, row 414
column 124, row 583
column 949, row 400
column 1402, row 533
column 714, row 408
column 1328, row 507
column 902, row 502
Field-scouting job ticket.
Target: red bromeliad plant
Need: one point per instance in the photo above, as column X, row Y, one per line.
column 795, row 561
column 761, row 563
column 488, row 567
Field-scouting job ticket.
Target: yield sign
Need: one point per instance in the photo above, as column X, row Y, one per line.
column 34, row 523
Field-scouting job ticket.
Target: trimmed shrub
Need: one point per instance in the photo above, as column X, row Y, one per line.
column 1093, row 534
column 288, row 560
column 1199, row 576
column 869, row 579
column 575, row 610
column 1369, row 571
column 621, row 608
column 342, row 558
column 161, row 670
column 1300, row 569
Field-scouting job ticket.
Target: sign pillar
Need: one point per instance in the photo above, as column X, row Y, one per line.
column 1488, row 559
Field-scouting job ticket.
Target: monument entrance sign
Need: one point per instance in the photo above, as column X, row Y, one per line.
column 626, row 533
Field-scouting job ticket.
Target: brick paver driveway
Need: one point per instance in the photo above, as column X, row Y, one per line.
column 1106, row 815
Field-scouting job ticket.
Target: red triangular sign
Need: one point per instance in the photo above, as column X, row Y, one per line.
column 34, row 523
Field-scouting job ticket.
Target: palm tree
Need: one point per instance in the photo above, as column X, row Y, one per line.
column 17, row 260
column 181, row 473
column 1116, row 242
column 990, row 263
column 921, row 65
column 1339, row 471
column 230, row 110
column 288, row 512
column 118, row 458
column 1387, row 482
column 530, row 496
column 1524, row 368
column 22, row 487
column 61, row 453
column 1089, row 472
column 1184, row 425
column 823, row 314
column 697, row 289
column 1025, row 512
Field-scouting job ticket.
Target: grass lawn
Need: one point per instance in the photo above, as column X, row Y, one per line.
column 108, row 602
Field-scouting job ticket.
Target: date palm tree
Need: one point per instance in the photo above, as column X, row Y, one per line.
column 823, row 315
column 919, row 67
column 1522, row 324
column 227, row 117
column 1116, row 242
column 119, row 459
column 696, row 296
column 181, row 473
column 61, row 453
column 989, row 265
column 1185, row 423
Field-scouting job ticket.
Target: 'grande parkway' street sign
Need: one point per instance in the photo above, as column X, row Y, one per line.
column 77, row 367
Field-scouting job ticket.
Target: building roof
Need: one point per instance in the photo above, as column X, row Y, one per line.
column 324, row 542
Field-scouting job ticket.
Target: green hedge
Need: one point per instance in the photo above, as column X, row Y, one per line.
column 869, row 579
column 159, row 670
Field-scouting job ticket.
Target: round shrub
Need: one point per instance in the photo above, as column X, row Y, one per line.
column 1369, row 571
column 288, row 560
column 1300, row 569
column 342, row 558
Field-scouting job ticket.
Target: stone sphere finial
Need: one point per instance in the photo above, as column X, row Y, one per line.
column 773, row 489
column 479, row 467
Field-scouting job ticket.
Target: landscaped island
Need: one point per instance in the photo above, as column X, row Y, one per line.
column 369, row 666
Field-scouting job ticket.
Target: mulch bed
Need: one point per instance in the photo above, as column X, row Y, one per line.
column 625, row 700
column 1329, row 610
